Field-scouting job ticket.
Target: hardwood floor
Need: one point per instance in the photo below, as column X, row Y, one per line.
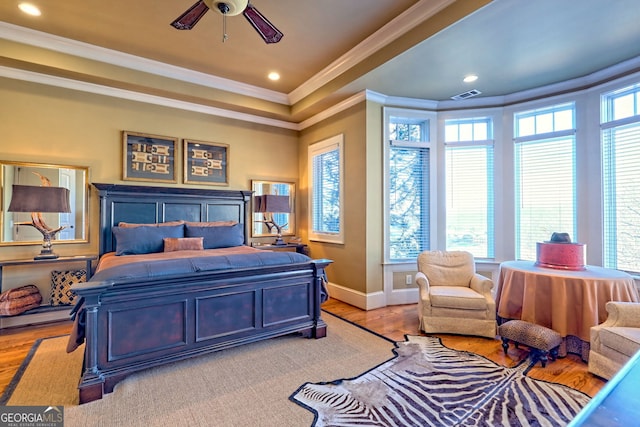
column 15, row 344
column 397, row 321
column 393, row 322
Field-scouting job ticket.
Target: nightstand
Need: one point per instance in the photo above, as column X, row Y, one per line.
column 44, row 313
column 289, row 247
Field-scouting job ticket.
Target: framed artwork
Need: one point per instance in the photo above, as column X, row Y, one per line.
column 206, row 163
column 148, row 157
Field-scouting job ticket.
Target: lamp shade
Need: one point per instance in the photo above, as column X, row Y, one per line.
column 272, row 203
column 31, row 198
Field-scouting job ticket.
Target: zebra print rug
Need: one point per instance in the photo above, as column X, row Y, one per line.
column 428, row 384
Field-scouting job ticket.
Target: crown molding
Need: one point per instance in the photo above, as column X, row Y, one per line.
column 597, row 79
column 421, row 104
column 403, row 23
column 369, row 95
column 39, row 39
column 333, row 110
column 61, row 82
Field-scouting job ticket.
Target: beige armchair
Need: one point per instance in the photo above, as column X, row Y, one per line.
column 616, row 340
column 453, row 297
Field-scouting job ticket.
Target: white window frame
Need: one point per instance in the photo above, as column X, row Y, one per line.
column 488, row 144
column 549, row 106
column 612, row 244
column 316, row 149
column 431, row 145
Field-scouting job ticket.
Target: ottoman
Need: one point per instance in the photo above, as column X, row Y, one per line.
column 542, row 342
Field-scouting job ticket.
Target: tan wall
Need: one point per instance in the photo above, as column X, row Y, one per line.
column 375, row 189
column 357, row 263
column 45, row 124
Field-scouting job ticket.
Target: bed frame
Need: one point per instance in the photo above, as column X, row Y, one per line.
column 133, row 325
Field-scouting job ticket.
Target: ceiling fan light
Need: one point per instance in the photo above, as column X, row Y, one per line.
column 233, row 7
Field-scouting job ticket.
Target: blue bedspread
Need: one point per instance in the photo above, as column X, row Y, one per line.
column 179, row 267
column 185, row 266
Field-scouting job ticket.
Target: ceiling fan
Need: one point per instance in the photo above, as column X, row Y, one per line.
column 268, row 32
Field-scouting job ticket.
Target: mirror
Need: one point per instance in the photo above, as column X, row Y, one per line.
column 76, row 224
column 287, row 221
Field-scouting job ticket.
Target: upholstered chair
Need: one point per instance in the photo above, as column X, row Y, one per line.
column 616, row 340
column 453, row 297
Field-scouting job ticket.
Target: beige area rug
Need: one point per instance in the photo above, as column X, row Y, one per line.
column 48, row 376
column 248, row 385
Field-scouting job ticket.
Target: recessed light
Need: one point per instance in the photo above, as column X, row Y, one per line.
column 274, row 76
column 30, row 9
column 470, row 78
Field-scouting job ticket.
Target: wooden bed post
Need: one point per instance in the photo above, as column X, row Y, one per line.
column 320, row 328
column 91, row 386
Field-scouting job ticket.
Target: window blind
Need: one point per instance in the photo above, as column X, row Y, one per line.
column 545, row 170
column 621, row 188
column 469, row 197
column 408, row 201
column 620, row 141
column 469, row 170
column 325, row 188
column 326, row 194
column 545, row 192
column 409, row 171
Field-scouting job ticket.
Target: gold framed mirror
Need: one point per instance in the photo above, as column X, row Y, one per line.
column 265, row 223
column 75, row 222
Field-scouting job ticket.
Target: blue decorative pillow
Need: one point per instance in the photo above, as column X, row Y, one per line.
column 144, row 240
column 217, row 237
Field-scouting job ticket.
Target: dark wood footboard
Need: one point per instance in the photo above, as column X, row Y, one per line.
column 136, row 325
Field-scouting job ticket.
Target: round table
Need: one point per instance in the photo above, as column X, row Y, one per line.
column 569, row 302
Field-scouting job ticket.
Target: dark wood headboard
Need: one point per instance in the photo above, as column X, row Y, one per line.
column 142, row 204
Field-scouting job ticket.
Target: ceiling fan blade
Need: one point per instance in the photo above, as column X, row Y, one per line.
column 267, row 31
column 190, row 18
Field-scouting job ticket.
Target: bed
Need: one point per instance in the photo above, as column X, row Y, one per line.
column 159, row 312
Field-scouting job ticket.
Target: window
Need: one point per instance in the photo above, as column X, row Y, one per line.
column 620, row 133
column 469, row 186
column 545, row 191
column 408, row 169
column 325, row 188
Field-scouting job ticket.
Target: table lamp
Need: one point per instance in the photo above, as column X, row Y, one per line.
column 268, row 204
column 34, row 199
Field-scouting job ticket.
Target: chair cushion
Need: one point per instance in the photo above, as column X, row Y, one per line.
column 454, row 268
column 457, row 297
column 622, row 339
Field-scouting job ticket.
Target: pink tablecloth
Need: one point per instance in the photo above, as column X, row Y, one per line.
column 569, row 302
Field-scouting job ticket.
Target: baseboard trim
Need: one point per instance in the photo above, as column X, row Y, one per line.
column 403, row 296
column 373, row 300
column 356, row 298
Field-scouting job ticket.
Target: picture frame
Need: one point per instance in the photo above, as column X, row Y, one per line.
column 148, row 157
column 205, row 162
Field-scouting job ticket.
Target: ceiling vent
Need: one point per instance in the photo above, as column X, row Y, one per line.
column 465, row 95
